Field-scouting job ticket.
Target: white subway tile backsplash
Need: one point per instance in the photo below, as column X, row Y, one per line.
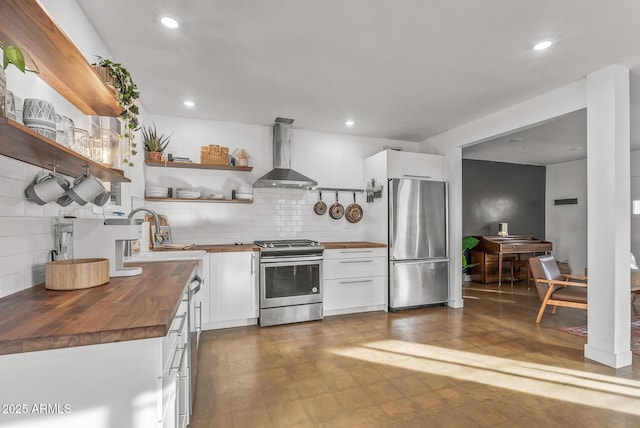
column 11, row 207
column 12, row 168
column 275, row 213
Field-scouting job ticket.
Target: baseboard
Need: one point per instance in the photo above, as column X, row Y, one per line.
column 216, row 325
column 344, row 311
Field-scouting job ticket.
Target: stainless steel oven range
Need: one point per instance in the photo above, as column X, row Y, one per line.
column 290, row 281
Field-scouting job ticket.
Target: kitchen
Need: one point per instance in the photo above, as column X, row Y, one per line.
column 27, row 252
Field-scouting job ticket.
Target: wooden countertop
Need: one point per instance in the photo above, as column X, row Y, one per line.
column 226, row 248
column 126, row 308
column 352, row 244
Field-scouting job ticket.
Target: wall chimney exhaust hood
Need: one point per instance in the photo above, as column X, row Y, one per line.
column 282, row 175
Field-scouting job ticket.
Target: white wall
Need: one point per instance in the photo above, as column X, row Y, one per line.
column 566, row 225
column 332, row 160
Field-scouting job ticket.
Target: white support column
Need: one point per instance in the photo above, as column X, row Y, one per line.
column 453, row 174
column 608, row 224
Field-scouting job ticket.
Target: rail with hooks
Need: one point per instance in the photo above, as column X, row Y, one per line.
column 336, row 189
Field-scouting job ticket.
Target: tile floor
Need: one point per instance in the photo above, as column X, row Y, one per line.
column 487, row 365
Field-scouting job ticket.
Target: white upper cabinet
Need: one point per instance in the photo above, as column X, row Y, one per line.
column 414, row 165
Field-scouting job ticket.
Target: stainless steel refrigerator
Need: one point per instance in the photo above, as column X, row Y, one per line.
column 418, row 247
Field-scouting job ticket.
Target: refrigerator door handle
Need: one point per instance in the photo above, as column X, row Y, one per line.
column 418, row 262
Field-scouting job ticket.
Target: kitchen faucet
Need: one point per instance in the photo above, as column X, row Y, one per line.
column 156, row 219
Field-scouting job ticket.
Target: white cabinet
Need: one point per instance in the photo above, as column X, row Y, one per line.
column 355, row 280
column 134, row 383
column 414, row 165
column 233, row 289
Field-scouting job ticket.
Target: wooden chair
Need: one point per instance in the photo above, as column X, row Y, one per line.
column 555, row 288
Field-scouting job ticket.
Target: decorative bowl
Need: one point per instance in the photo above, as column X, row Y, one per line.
column 39, row 113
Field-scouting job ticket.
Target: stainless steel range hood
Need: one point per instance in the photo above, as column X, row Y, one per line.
column 282, row 175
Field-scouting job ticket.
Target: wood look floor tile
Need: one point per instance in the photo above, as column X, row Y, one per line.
column 323, row 407
column 354, row 398
column 424, row 367
column 290, row 413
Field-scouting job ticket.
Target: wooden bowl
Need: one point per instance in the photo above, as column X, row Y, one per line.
column 76, row 274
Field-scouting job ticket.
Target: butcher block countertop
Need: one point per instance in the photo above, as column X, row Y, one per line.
column 227, row 248
column 352, row 244
column 126, row 308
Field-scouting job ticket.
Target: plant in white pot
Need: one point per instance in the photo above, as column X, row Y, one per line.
column 154, row 144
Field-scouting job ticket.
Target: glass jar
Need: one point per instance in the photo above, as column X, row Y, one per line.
column 81, row 142
column 107, row 147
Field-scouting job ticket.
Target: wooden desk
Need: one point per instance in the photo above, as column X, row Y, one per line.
column 512, row 245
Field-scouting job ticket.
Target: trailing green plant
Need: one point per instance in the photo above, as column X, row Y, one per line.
column 13, row 55
column 126, row 95
column 152, row 141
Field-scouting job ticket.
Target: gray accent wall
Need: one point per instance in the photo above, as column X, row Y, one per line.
column 498, row 192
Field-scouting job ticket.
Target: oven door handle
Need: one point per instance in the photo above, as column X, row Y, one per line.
column 284, row 261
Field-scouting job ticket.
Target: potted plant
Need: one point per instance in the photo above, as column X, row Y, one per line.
column 468, row 242
column 126, row 93
column 154, row 144
column 12, row 55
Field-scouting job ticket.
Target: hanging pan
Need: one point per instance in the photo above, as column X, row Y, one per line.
column 320, row 207
column 353, row 213
column 336, row 211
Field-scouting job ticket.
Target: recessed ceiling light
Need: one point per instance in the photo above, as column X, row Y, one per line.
column 169, row 22
column 349, row 123
column 189, row 103
column 540, row 46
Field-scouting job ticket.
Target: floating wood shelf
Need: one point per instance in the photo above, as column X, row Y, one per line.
column 232, row 201
column 199, row 166
column 21, row 143
column 26, row 24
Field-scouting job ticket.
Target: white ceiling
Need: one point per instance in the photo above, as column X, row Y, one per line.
column 407, row 69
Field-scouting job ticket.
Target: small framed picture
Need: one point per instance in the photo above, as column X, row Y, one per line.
column 163, row 237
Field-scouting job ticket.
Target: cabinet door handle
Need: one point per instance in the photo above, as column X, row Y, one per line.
column 183, row 318
column 356, row 261
column 416, row 176
column 183, row 351
column 253, row 259
column 195, row 289
column 356, row 252
column 199, row 309
column 363, row 281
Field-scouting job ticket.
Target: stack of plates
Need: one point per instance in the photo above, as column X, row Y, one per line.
column 157, row 192
column 244, row 196
column 188, row 192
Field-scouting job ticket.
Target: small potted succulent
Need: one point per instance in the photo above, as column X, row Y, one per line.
column 154, row 144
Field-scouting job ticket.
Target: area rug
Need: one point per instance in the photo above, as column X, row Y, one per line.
column 635, row 333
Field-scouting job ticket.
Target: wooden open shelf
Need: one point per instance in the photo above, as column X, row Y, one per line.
column 26, row 24
column 220, row 201
column 21, row 143
column 193, row 165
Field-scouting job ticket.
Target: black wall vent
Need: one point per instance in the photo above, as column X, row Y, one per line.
column 570, row 201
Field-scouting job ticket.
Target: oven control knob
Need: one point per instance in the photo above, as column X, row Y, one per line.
column 314, row 289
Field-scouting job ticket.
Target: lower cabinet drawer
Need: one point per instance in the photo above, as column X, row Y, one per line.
column 354, row 292
column 354, row 268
